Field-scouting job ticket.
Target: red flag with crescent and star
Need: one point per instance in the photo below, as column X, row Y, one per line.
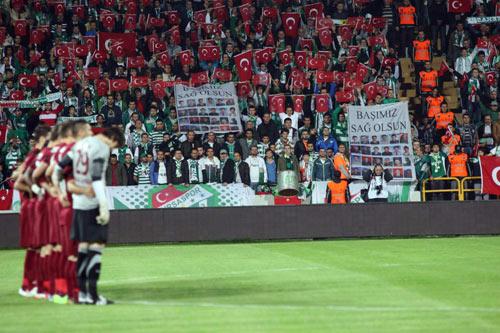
column 243, row 63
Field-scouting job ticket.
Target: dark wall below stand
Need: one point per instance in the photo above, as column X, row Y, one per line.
column 292, row 222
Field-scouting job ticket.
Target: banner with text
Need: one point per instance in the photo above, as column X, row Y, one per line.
column 31, row 103
column 161, row 196
column 208, row 108
column 381, row 134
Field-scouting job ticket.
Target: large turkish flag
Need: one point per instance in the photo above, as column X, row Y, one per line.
column 490, row 174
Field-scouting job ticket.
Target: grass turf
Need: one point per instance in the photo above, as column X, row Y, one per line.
column 410, row 285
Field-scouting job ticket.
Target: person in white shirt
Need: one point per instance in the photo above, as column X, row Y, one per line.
column 464, row 62
column 210, row 167
column 258, row 171
column 377, row 184
column 294, row 116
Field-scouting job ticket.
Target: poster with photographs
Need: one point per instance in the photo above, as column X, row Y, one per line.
column 381, row 134
column 208, row 108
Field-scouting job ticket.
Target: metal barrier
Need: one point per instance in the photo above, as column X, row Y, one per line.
column 450, row 190
column 462, row 186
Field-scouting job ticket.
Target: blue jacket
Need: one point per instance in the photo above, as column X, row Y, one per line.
column 321, row 143
column 322, row 172
column 153, row 172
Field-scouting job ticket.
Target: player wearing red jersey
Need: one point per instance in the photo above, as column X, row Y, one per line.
column 32, row 276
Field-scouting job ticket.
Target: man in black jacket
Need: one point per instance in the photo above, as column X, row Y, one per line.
column 268, row 127
column 188, row 145
column 212, row 143
column 241, row 170
column 227, row 168
column 178, row 172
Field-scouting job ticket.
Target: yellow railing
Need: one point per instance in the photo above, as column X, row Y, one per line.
column 448, row 190
column 463, row 183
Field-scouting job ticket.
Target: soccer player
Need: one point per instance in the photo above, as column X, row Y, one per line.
column 31, row 275
column 80, row 129
column 89, row 158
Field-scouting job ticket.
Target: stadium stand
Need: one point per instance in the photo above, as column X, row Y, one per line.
column 115, row 63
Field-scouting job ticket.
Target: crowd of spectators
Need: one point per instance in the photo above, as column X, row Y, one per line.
column 53, row 46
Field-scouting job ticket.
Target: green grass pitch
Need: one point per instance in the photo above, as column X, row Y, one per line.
column 392, row 285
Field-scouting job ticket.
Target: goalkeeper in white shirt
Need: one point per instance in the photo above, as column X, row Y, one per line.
column 89, row 158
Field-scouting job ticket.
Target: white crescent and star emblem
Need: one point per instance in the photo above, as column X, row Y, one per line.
column 246, row 62
column 23, row 80
column 456, row 4
column 290, row 26
column 494, row 175
column 313, row 12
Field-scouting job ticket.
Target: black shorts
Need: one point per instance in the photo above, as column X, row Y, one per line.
column 86, row 229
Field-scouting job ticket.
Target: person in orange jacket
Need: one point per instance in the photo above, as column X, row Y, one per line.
column 407, row 21
column 458, row 166
column 422, row 51
column 434, row 103
column 336, row 190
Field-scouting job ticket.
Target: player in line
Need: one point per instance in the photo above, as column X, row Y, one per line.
column 89, row 158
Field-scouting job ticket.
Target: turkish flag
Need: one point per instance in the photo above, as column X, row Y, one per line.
column 269, row 13
column 158, row 46
column 277, row 103
column 199, row 16
column 139, row 81
column 306, row 43
column 376, row 40
column 59, row 9
column 173, row 17
column 350, row 84
column 378, row 22
column 291, row 200
column 325, row 55
column 261, row 79
column 314, row 10
column 325, row 36
column 61, row 51
column 300, row 82
column 6, row 199
column 130, row 22
column 370, row 90
column 175, row 33
column 4, row 130
column 344, row 96
column 245, row 12
column 223, row 75
column 131, row 7
column 243, row 89
column 100, row 56
column 298, row 103
column 361, row 72
column 69, row 63
column 321, row 103
column 459, row 6
column 21, row 28
column 27, row 80
column 285, row 58
column 269, row 39
column 136, row 62
column 353, row 50
column 209, row 53
column 291, row 23
column 164, row 58
column 108, row 21
column 79, row 10
column 155, row 21
column 91, row 73
column 90, row 42
column 243, row 63
column 323, row 23
column 16, row 95
column 37, row 36
column 351, row 64
column 495, row 39
column 118, row 85
column 316, row 63
column 354, row 21
column 301, row 58
column 382, row 90
column 220, row 13
column 345, row 32
column 118, row 41
column 481, row 43
column 166, row 195
column 185, row 57
column 264, row 56
column 324, row 77
column 490, row 78
column 199, row 78
column 490, row 174
column 81, row 50
column 296, row 73
column 158, row 88
column 389, row 62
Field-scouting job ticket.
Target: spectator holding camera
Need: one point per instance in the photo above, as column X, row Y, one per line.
column 377, row 180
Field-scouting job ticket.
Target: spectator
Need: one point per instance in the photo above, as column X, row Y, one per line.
column 271, row 168
column 377, row 180
column 210, row 167
column 141, row 171
column 158, row 170
column 257, row 166
column 194, row 168
column 227, row 174
column 288, row 161
column 322, row 167
column 326, row 141
column 178, row 172
column 190, row 143
column 268, row 128
column 112, row 113
column 116, row 175
column 129, row 169
column 243, row 145
column 211, row 142
column 242, row 170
